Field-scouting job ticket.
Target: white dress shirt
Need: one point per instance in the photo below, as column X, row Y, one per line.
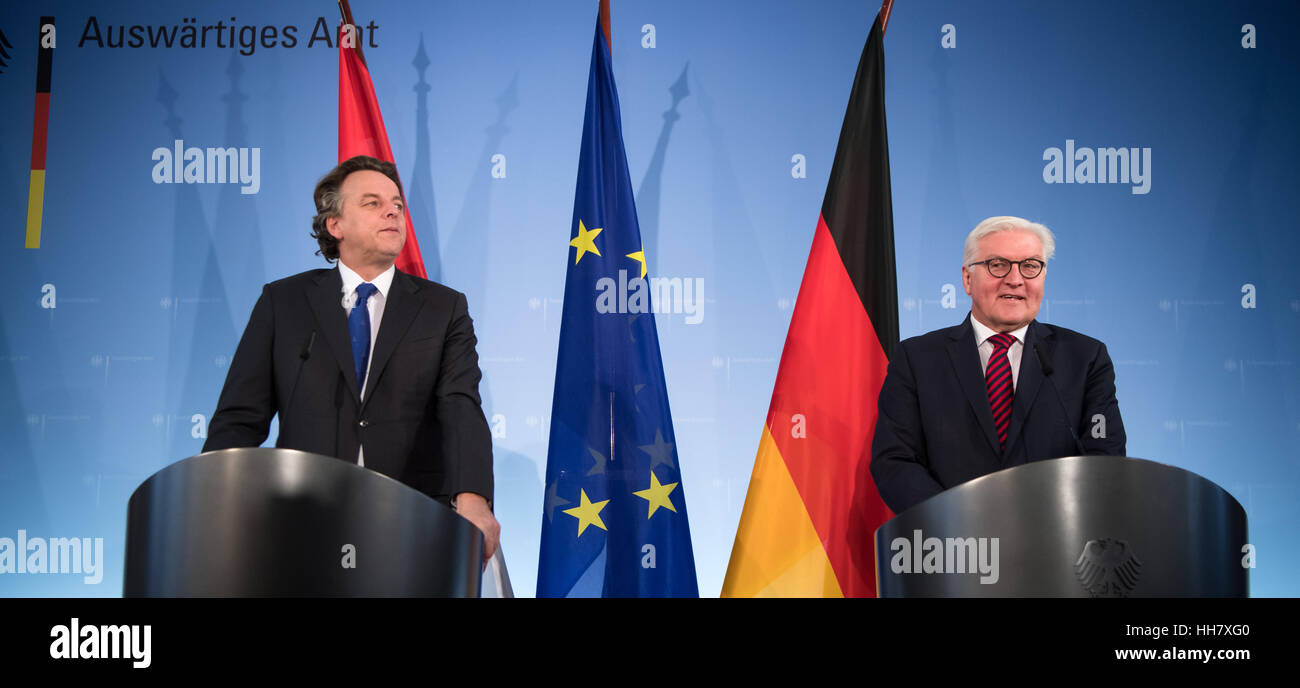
column 1014, row 353
column 375, row 305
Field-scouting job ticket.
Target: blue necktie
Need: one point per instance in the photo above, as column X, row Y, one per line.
column 359, row 329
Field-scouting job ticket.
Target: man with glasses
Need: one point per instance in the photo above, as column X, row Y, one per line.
column 1000, row 389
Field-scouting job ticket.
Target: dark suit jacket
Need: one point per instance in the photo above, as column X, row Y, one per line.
column 935, row 427
column 422, row 420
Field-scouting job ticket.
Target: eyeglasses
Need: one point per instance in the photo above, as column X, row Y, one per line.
column 1001, row 267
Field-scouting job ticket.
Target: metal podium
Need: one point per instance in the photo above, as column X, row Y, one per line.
column 1083, row 526
column 277, row 522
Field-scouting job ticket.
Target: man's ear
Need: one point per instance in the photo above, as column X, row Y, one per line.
column 332, row 226
column 965, row 279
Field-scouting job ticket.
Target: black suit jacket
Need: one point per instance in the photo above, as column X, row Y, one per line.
column 935, row 427
column 421, row 421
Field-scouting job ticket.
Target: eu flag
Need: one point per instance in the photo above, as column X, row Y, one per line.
column 614, row 518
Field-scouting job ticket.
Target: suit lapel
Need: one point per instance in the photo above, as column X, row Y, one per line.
column 326, row 303
column 963, row 352
column 1029, row 381
column 399, row 313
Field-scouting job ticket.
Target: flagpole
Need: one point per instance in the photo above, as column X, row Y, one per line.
column 885, row 9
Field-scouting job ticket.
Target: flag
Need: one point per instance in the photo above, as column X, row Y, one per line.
column 361, row 126
column 812, row 509
column 40, row 133
column 614, row 518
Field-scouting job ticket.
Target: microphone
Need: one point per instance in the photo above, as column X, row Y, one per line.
column 338, row 411
column 302, row 363
column 1047, row 368
column 306, row 351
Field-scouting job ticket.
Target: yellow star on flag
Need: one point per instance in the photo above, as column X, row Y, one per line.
column 588, row 513
column 657, row 495
column 585, row 242
column 639, row 256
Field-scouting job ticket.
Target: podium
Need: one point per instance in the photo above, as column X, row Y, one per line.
column 1083, row 526
column 278, row 522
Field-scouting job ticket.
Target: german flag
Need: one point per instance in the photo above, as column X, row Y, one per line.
column 40, row 136
column 812, row 507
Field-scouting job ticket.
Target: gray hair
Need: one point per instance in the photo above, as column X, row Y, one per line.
column 1004, row 223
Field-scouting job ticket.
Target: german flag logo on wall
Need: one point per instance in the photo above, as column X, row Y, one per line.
column 40, row 131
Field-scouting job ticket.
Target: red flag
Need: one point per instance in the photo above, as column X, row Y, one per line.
column 361, row 126
column 812, row 509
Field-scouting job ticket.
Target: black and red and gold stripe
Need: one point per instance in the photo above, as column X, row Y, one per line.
column 40, row 135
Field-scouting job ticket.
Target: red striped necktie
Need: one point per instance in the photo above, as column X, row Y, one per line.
column 997, row 380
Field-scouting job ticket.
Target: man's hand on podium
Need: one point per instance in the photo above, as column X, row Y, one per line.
column 475, row 510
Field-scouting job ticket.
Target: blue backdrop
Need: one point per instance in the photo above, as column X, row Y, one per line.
column 116, row 332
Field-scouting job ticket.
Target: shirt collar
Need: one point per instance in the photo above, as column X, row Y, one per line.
column 982, row 332
column 351, row 279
